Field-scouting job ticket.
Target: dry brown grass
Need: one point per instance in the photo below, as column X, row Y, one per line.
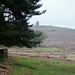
column 50, row 53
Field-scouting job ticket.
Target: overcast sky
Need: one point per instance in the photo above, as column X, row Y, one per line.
column 59, row 13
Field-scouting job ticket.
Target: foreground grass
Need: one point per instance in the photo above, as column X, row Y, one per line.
column 23, row 65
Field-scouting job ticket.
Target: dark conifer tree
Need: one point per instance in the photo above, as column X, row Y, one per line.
column 14, row 26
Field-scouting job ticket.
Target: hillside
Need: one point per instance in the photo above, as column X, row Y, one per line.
column 61, row 38
column 58, row 60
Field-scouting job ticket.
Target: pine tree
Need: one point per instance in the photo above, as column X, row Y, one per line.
column 14, row 26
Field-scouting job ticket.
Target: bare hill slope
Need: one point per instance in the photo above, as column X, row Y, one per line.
column 62, row 38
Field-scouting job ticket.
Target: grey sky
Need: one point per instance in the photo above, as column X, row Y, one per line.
column 59, row 13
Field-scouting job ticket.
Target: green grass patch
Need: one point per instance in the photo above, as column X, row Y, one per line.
column 24, row 65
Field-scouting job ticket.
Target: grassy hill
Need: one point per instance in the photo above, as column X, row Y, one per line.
column 58, row 60
column 62, row 38
column 24, row 65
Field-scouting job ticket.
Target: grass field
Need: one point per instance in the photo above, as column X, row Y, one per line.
column 41, row 61
column 56, row 56
column 24, row 65
column 53, row 53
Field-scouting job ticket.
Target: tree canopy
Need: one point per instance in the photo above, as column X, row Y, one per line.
column 39, row 36
column 14, row 26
